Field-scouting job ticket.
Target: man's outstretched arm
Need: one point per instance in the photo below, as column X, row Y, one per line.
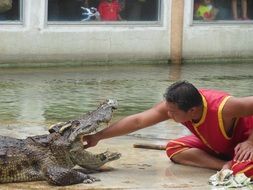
column 130, row 124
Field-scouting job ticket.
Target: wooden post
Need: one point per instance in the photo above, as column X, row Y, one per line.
column 177, row 26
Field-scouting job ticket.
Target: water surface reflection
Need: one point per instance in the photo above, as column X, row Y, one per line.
column 32, row 99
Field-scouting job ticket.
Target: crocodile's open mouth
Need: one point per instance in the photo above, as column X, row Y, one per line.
column 91, row 121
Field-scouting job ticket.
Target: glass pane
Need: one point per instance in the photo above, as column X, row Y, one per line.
column 103, row 10
column 10, row 10
column 210, row 10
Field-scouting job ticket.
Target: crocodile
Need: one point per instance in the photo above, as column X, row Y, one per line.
column 59, row 156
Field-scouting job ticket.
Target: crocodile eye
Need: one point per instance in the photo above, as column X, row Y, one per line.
column 102, row 157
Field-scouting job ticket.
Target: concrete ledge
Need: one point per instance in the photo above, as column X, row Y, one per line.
column 14, row 64
column 218, row 60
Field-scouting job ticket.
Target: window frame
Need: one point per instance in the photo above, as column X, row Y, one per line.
column 216, row 22
column 158, row 22
column 21, row 16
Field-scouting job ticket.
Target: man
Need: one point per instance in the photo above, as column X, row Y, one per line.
column 109, row 10
column 221, row 126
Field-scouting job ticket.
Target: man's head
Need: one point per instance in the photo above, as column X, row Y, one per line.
column 184, row 95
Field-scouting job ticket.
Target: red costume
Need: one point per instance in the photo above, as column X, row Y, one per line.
column 109, row 11
column 210, row 135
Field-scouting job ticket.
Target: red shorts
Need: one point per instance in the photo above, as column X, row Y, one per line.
column 184, row 143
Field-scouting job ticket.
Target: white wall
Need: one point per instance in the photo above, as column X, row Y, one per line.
column 37, row 42
column 229, row 40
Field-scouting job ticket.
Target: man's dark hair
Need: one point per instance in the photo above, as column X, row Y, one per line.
column 184, row 95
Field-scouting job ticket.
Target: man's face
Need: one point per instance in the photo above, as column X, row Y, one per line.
column 178, row 115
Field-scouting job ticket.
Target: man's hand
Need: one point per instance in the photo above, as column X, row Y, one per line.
column 90, row 141
column 244, row 151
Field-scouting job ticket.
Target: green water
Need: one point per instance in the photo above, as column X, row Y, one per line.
column 32, row 99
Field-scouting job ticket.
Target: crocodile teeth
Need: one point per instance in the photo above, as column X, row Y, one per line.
column 64, row 127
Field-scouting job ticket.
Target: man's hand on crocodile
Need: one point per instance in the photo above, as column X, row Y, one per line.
column 90, row 141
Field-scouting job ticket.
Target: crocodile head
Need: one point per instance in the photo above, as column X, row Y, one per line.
column 88, row 123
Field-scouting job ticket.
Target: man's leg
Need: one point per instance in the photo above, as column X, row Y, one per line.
column 234, row 9
column 199, row 158
column 243, row 167
column 191, row 151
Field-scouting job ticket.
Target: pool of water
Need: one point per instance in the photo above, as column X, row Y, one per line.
column 33, row 98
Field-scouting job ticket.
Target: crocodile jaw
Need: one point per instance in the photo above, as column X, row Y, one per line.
column 94, row 120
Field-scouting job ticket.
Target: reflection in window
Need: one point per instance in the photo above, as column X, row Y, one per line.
column 210, row 10
column 10, row 10
column 103, row 10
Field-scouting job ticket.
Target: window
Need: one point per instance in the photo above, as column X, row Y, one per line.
column 226, row 10
column 87, row 11
column 10, row 10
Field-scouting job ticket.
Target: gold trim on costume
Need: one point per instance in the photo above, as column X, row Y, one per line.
column 246, row 169
column 196, row 125
column 203, row 117
column 177, row 145
column 235, row 164
column 177, row 142
column 173, row 147
column 221, row 125
column 186, row 148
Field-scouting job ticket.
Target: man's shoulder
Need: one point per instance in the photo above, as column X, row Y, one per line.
column 211, row 91
column 161, row 107
column 213, row 95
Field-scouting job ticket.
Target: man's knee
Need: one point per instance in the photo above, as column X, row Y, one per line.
column 170, row 149
column 174, row 150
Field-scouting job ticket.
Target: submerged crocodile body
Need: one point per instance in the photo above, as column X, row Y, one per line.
column 53, row 157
